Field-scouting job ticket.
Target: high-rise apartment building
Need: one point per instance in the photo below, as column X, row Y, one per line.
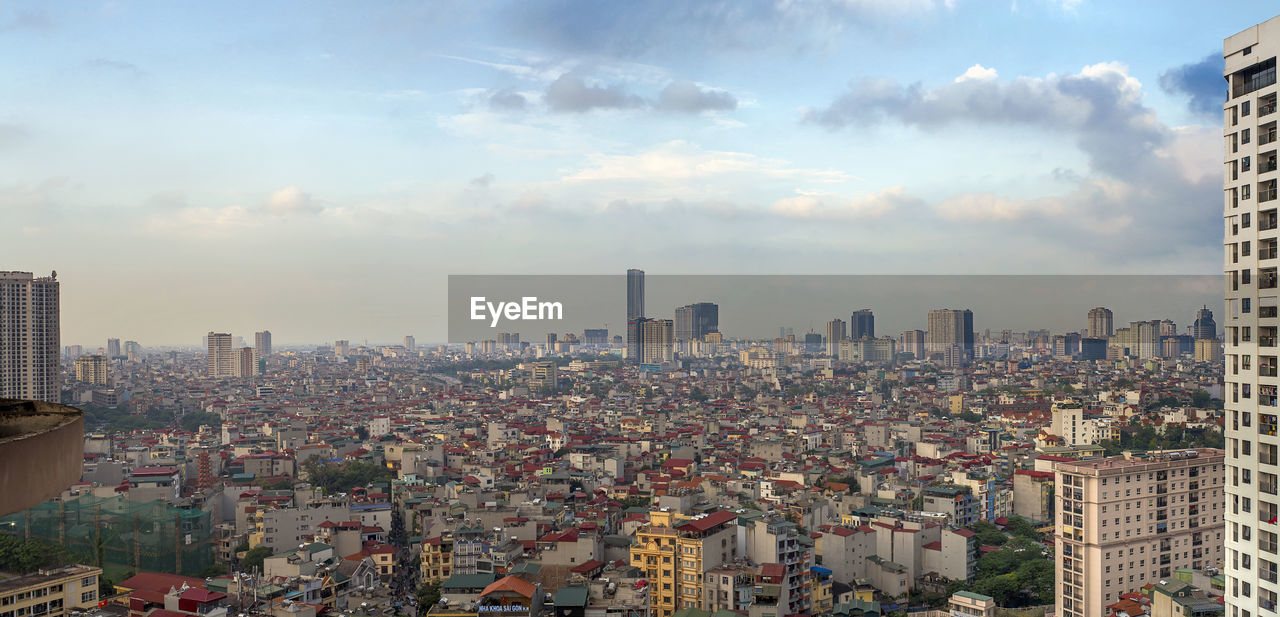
column 30, row 347
column 1204, row 327
column 635, row 314
column 695, row 321
column 262, row 344
column 949, row 327
column 132, row 351
column 595, row 336
column 1146, row 337
column 1250, row 217
column 1127, row 521
column 913, row 343
column 93, row 369
column 862, row 324
column 221, row 360
column 657, row 341
column 113, row 348
column 410, row 344
column 245, row 366
column 1099, row 322
column 835, row 334
column 341, row 348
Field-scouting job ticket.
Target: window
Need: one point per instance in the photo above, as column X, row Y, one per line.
column 1244, row 136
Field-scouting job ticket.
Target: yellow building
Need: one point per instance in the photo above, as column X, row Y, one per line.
column 675, row 552
column 956, row 403
column 437, row 558
column 92, row 369
column 52, row 594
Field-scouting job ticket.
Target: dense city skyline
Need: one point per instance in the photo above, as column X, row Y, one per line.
column 336, row 170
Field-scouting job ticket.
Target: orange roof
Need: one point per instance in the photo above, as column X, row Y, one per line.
column 513, row 584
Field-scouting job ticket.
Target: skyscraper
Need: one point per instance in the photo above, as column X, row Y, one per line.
column 695, row 321
column 835, row 334
column 222, row 359
column 1249, row 213
column 913, row 343
column 341, row 348
column 1099, row 322
column 862, row 324
column 635, row 314
column 262, row 344
column 410, row 344
column 113, row 348
column 949, row 327
column 657, row 338
column 29, row 337
column 1204, row 326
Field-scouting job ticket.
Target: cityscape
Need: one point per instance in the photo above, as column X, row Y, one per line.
column 279, row 408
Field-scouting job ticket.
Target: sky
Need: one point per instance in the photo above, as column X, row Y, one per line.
column 319, row 169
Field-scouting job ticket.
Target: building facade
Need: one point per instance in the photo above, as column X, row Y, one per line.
column 1127, row 521
column 676, row 555
column 862, row 324
column 92, row 369
column 635, row 315
column 50, row 593
column 950, row 328
column 222, row 360
column 30, row 346
column 1250, row 217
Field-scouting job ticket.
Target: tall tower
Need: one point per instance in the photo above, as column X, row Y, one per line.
column 1204, row 326
column 221, row 361
column 948, row 327
column 696, row 321
column 1100, row 325
column 835, row 334
column 113, row 348
column 29, row 337
column 1249, row 210
column 862, row 324
column 635, row 315
column 262, row 343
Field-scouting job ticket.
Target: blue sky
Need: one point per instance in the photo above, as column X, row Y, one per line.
column 318, row 169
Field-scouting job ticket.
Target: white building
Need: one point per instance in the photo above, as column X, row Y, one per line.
column 1249, row 212
column 30, row 344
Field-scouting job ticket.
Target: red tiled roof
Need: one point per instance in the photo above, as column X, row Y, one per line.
column 512, row 584
column 708, row 521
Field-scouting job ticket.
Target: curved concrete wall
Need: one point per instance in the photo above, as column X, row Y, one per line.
column 41, row 452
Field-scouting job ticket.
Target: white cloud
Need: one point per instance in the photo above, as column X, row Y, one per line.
column 831, row 207
column 291, row 200
column 680, row 160
column 977, row 72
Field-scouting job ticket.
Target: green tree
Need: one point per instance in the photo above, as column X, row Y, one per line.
column 1002, row 588
column 341, row 478
column 988, row 534
column 1200, row 399
column 254, row 558
column 1020, row 527
column 193, row 421
column 213, row 570
column 428, row 595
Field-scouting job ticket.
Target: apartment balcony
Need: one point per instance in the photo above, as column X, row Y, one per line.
column 41, row 452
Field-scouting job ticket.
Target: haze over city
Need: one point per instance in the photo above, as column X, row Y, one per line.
column 185, row 168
